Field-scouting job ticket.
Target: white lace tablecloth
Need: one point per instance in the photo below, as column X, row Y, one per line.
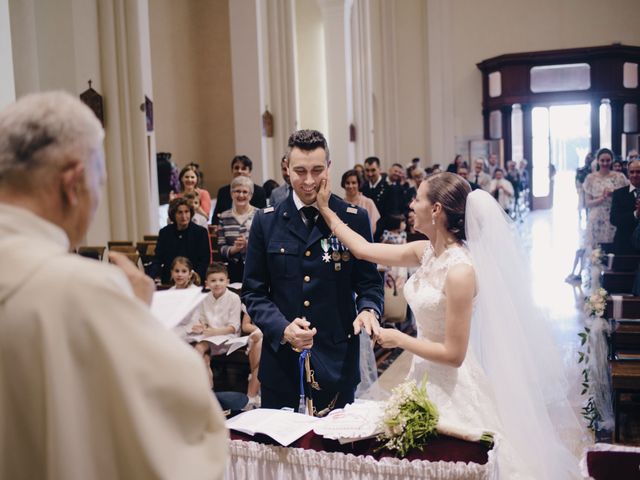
column 267, row 462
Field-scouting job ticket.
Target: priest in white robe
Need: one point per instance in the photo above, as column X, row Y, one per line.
column 91, row 385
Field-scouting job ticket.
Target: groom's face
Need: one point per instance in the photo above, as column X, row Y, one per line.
column 306, row 170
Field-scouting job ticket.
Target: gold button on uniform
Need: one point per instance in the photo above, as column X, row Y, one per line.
column 307, row 278
column 306, row 303
column 307, row 253
column 282, row 250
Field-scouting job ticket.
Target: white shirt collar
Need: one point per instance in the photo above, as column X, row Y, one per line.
column 374, row 185
column 631, row 188
column 298, row 203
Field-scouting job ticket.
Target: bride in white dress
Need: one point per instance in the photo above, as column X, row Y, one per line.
column 489, row 361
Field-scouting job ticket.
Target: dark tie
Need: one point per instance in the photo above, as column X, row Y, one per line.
column 310, row 214
column 476, row 179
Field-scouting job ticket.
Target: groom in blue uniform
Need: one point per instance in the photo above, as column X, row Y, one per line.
column 305, row 290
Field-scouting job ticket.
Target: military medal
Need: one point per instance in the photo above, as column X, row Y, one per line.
column 337, row 266
column 324, row 243
column 346, row 256
column 335, row 256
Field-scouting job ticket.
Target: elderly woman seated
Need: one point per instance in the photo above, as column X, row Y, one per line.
column 181, row 238
column 235, row 224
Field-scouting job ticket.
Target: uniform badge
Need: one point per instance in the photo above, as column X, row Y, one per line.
column 337, row 266
column 324, row 244
column 352, row 210
column 267, row 210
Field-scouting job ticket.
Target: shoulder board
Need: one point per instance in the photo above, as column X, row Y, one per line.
column 267, row 210
column 353, row 210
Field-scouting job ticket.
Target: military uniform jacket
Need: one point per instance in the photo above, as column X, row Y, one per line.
column 287, row 275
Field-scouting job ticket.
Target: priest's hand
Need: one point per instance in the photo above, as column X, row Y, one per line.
column 143, row 286
column 299, row 335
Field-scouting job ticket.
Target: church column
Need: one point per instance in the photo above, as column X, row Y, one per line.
column 281, row 94
column 441, row 81
column 337, row 34
column 125, row 62
column 617, row 120
column 363, row 111
column 7, row 85
column 248, row 79
column 506, row 133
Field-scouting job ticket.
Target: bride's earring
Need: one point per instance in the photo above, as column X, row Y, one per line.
column 433, row 221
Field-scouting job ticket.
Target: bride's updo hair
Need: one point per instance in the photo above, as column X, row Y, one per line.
column 450, row 191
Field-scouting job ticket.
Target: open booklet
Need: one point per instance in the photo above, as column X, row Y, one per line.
column 171, row 307
column 233, row 342
column 283, row 426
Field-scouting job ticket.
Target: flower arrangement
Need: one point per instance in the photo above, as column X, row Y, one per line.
column 592, row 338
column 597, row 257
column 410, row 419
column 595, row 304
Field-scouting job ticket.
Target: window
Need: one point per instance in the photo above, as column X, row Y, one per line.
column 561, row 78
column 630, row 118
column 495, row 84
column 605, row 123
column 495, row 124
column 630, row 75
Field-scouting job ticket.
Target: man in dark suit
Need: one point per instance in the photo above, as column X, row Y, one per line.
column 625, row 211
column 240, row 165
column 300, row 286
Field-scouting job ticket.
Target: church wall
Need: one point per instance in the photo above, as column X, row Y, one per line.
column 7, row 84
column 191, row 67
column 481, row 30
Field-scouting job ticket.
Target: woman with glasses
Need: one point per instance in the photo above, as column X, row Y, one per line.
column 235, row 224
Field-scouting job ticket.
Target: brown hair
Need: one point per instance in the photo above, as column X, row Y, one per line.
column 194, row 278
column 173, row 208
column 190, row 168
column 217, row 267
column 450, row 191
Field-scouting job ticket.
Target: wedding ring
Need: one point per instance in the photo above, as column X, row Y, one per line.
column 297, row 350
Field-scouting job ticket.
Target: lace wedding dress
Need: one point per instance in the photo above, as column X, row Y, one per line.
column 463, row 395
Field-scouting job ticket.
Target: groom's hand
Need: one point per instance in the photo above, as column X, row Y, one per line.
column 369, row 322
column 299, row 335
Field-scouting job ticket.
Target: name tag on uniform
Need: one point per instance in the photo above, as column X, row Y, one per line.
column 352, row 210
column 267, row 210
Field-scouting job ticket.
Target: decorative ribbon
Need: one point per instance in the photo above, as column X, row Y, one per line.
column 617, row 306
column 302, row 404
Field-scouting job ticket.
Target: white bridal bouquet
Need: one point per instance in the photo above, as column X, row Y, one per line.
column 410, row 418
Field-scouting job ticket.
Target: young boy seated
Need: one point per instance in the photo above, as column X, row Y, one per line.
column 219, row 313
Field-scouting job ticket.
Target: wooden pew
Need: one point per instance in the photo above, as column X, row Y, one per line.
column 119, row 243
column 625, row 263
column 625, row 382
column 617, row 282
column 91, row 252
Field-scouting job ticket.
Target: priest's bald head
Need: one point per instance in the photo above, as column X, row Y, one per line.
column 52, row 160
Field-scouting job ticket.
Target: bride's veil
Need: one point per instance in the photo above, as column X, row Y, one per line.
column 511, row 339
